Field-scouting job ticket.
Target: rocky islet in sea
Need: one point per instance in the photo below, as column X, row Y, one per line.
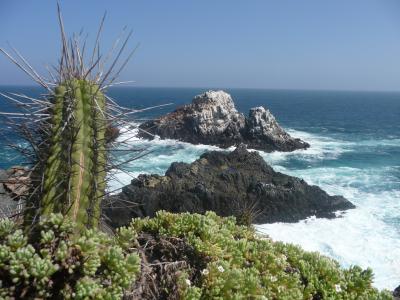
column 228, row 183
column 212, row 119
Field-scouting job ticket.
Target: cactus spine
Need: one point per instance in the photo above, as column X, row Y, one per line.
column 74, row 177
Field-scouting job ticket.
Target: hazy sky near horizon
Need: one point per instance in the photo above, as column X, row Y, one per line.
column 283, row 44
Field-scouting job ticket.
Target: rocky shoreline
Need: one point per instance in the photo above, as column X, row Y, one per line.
column 212, row 119
column 238, row 183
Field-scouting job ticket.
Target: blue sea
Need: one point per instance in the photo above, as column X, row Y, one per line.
column 355, row 152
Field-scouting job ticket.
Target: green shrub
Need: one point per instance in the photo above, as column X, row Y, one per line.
column 62, row 265
column 243, row 265
column 228, row 262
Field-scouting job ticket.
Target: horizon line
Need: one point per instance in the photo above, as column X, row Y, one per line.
column 231, row 88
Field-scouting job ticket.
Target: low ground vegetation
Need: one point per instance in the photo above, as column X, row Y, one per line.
column 171, row 256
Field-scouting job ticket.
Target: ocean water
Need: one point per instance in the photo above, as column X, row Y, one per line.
column 355, row 152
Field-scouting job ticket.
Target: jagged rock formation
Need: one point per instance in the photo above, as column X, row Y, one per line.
column 212, row 119
column 235, row 183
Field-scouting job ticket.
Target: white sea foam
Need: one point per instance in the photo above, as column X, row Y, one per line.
column 321, row 148
column 163, row 153
column 368, row 235
column 360, row 237
column 383, row 142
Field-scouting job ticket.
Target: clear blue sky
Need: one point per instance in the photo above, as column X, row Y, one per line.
column 308, row 44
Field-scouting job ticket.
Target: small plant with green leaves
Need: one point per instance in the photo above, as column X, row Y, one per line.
column 182, row 256
column 61, row 265
column 239, row 264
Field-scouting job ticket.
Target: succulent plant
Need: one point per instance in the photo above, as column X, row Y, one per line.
column 61, row 265
column 237, row 263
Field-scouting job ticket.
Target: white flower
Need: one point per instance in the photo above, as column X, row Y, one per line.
column 205, row 272
column 273, row 279
column 188, row 282
column 221, row 269
column 338, row 288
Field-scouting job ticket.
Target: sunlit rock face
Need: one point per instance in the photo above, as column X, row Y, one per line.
column 214, row 113
column 263, row 132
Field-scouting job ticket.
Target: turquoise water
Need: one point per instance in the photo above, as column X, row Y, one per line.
column 355, row 152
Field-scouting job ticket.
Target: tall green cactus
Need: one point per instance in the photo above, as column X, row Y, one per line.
column 68, row 131
column 74, row 176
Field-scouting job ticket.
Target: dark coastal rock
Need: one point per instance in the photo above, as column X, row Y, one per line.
column 14, row 186
column 229, row 184
column 18, row 181
column 396, row 293
column 7, row 203
column 3, row 178
column 112, row 133
column 212, row 119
